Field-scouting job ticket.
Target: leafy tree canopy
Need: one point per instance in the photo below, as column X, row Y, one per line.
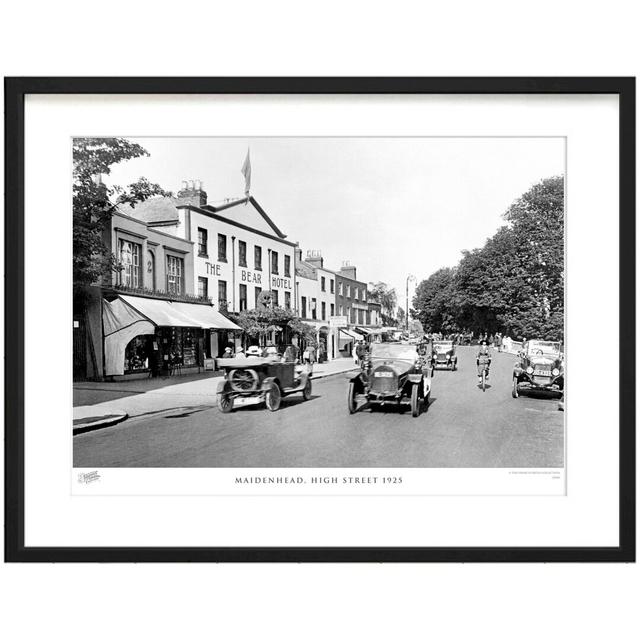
column 513, row 284
column 94, row 203
column 381, row 293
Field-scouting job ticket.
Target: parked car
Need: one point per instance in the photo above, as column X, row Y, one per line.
column 264, row 378
column 540, row 366
column 444, row 354
column 395, row 374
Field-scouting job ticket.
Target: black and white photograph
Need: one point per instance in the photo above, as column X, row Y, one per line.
column 319, row 302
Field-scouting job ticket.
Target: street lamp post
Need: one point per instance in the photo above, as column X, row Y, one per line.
column 410, row 278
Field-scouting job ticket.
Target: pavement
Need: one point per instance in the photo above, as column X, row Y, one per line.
column 463, row 427
column 102, row 404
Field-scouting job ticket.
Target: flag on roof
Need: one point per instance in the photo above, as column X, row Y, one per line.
column 246, row 172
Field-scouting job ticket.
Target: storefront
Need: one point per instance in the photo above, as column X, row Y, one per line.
column 153, row 337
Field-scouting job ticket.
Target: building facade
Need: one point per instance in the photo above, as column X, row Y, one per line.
column 239, row 253
column 183, row 263
column 145, row 318
column 315, row 300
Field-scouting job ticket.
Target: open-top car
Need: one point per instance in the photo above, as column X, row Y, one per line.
column 264, row 378
column 443, row 354
column 394, row 374
column 540, row 366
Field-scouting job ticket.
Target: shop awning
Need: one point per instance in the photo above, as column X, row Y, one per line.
column 208, row 317
column 364, row 330
column 351, row 334
column 121, row 324
column 164, row 313
column 130, row 316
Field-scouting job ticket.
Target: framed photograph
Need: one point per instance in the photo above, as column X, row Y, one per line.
column 320, row 319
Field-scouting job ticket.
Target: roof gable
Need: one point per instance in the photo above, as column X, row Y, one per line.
column 252, row 216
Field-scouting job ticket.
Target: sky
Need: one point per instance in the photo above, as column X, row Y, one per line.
column 393, row 207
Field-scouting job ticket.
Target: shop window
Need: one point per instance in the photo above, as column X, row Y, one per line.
column 180, row 346
column 175, row 273
column 137, row 354
column 203, row 287
column 222, row 294
column 324, row 310
column 222, row 248
column 243, row 297
column 130, row 262
column 303, row 309
column 202, row 243
column 257, row 255
column 257, row 291
column 274, row 262
column 287, row 266
column 287, row 300
column 242, row 253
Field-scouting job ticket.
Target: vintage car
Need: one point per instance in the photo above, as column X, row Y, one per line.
column 264, row 378
column 394, row 374
column 540, row 366
column 443, row 354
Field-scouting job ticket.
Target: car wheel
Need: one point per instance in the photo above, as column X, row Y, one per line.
column 225, row 402
column 306, row 392
column 415, row 401
column 352, row 403
column 514, row 390
column 273, row 397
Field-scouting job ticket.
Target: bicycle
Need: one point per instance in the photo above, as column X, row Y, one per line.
column 484, row 362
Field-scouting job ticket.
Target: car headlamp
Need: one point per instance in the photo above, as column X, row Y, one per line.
column 555, row 372
column 529, row 370
column 448, row 357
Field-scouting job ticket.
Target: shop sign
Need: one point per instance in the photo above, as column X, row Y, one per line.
column 338, row 321
column 280, row 283
column 213, row 269
column 250, row 276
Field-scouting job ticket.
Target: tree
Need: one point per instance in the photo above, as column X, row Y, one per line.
column 433, row 302
column 94, row 203
column 401, row 317
column 514, row 283
column 379, row 292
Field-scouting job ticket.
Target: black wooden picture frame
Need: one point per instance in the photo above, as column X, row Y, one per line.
column 15, row 91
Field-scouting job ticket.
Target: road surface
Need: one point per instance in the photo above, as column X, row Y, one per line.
column 463, row 427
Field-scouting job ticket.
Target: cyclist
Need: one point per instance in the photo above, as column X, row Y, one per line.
column 483, row 357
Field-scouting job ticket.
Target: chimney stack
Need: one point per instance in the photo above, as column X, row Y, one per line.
column 193, row 193
column 314, row 257
column 348, row 270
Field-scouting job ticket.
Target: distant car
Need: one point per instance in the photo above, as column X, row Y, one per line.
column 540, row 366
column 395, row 374
column 264, row 378
column 444, row 354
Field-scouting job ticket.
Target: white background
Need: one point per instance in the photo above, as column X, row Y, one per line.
column 587, row 516
column 320, row 601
